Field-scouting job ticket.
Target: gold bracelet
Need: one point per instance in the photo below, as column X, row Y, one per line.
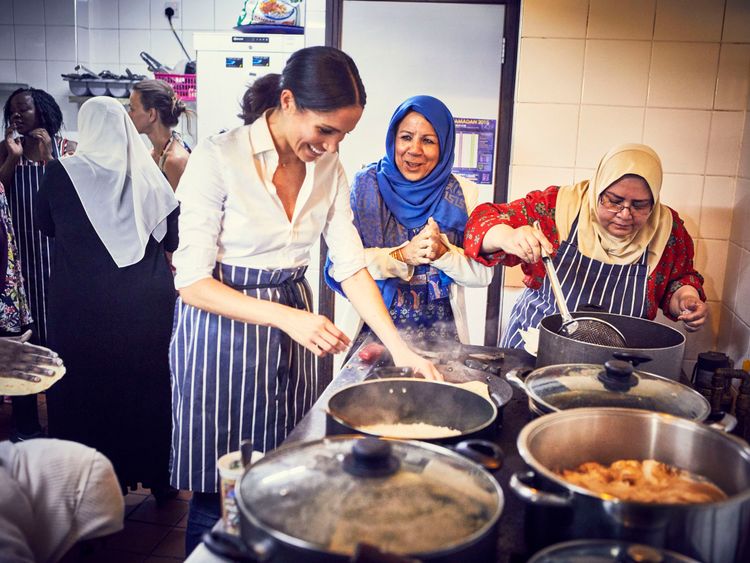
column 398, row 255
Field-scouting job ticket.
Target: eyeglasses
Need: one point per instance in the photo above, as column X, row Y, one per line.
column 636, row 207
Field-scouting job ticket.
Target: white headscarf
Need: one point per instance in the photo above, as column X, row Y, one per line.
column 123, row 192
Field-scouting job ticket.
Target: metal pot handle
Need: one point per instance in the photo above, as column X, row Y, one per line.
column 725, row 424
column 519, row 483
column 514, row 378
column 234, row 548
column 487, row 454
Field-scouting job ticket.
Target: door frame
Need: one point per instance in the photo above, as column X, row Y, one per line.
column 511, row 31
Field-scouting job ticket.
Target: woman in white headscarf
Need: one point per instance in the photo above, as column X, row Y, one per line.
column 112, row 215
column 615, row 245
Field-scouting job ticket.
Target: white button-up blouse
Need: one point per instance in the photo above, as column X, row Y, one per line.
column 230, row 212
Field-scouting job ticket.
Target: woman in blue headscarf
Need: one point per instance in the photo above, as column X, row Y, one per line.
column 411, row 211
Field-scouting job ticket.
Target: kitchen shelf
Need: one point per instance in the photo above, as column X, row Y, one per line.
column 124, row 101
column 80, row 99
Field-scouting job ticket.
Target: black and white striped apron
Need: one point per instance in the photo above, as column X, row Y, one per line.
column 616, row 288
column 233, row 381
column 34, row 249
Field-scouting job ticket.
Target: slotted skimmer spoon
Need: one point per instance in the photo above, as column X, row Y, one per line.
column 584, row 329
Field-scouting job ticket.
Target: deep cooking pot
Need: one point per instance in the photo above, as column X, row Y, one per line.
column 715, row 532
column 410, row 401
column 316, row 501
column 615, row 384
column 663, row 344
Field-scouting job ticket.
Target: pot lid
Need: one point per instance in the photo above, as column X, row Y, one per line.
column 596, row 551
column 401, row 497
column 615, row 384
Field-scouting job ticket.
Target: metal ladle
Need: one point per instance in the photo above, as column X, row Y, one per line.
column 583, row 329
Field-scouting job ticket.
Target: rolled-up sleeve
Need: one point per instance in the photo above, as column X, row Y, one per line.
column 201, row 194
column 461, row 268
column 383, row 266
column 675, row 269
column 344, row 243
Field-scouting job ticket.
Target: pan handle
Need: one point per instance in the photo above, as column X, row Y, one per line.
column 554, row 282
column 519, row 482
column 487, row 454
column 234, row 547
column 726, row 423
column 514, row 378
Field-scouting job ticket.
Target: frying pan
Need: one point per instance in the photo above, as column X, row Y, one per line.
column 409, row 400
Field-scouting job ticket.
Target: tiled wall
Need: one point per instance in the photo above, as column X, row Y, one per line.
column 37, row 45
column 592, row 73
column 672, row 74
column 37, row 37
column 734, row 325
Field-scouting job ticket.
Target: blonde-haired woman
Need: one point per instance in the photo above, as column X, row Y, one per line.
column 155, row 110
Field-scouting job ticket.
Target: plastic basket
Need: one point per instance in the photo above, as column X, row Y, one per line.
column 183, row 84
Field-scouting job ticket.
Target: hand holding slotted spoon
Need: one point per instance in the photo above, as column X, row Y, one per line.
column 583, row 329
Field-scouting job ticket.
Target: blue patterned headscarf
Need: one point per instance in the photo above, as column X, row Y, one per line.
column 412, row 203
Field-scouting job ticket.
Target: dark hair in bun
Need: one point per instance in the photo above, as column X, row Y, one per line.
column 321, row 79
column 157, row 94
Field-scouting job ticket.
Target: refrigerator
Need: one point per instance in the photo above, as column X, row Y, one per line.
column 228, row 62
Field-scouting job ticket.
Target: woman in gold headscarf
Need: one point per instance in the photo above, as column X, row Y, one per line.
column 615, row 246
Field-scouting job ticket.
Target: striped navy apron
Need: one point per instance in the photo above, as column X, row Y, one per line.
column 34, row 249
column 233, row 381
column 616, row 288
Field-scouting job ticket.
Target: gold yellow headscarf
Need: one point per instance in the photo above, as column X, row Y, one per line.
column 581, row 200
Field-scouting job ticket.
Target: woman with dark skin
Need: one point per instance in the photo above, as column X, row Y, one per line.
column 32, row 121
column 21, row 360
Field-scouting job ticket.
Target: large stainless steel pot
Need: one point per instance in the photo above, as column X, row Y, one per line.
column 322, row 501
column 664, row 345
column 716, row 532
